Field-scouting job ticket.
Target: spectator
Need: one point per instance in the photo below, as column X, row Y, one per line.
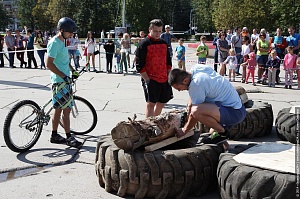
column 202, row 51
column 118, row 60
column 236, row 44
column 293, row 40
column 90, row 44
column 262, row 55
column 251, row 65
column 41, row 45
column 109, row 47
column 278, row 43
column 223, row 48
column 231, row 60
column 254, row 38
column 298, row 69
column 273, row 64
column 216, row 59
column 142, row 36
column 267, row 34
column 19, row 39
column 102, row 36
column 1, row 51
column 246, row 49
column 245, row 32
column 30, row 48
column 153, row 62
column 289, row 65
column 78, row 56
column 228, row 37
column 118, row 41
column 72, row 47
column 168, row 37
column 180, row 54
column 213, row 101
column 125, row 49
column 10, row 44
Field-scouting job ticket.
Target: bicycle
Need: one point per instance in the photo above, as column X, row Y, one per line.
column 24, row 123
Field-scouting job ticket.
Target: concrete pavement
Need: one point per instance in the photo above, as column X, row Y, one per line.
column 59, row 171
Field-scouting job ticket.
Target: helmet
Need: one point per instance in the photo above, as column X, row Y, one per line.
column 67, row 25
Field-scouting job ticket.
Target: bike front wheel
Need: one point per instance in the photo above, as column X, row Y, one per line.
column 83, row 117
column 22, row 126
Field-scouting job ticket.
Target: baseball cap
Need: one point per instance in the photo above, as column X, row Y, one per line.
column 167, row 26
column 245, row 28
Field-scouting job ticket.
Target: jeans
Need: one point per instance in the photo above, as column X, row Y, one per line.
column 41, row 54
column 30, row 55
column 72, row 54
column 201, row 60
column 238, row 57
column 11, row 55
column 216, row 60
column 109, row 58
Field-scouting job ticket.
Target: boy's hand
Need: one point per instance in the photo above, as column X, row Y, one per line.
column 67, row 79
column 75, row 74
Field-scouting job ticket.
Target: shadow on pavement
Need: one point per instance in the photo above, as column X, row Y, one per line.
column 25, row 85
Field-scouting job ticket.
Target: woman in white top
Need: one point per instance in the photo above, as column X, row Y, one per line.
column 125, row 49
column 246, row 49
column 90, row 44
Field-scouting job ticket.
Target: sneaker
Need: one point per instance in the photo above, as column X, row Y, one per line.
column 58, row 139
column 216, row 138
column 71, row 141
column 286, row 86
column 95, row 70
column 258, row 81
column 290, row 86
column 254, row 84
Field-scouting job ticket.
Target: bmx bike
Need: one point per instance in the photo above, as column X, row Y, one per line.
column 24, row 123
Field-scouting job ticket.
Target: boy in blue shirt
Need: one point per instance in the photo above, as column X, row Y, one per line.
column 58, row 63
column 213, row 101
column 180, row 54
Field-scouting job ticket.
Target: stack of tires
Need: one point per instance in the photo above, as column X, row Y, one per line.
column 189, row 168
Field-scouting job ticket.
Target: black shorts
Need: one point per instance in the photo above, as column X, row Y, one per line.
column 157, row 92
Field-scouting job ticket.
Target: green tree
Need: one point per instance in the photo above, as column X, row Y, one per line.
column 42, row 16
column 24, row 13
column 5, row 19
column 238, row 13
column 203, row 10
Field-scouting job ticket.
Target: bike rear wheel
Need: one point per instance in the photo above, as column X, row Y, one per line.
column 83, row 117
column 22, row 126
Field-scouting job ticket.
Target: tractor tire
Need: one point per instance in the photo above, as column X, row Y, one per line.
column 258, row 121
column 285, row 125
column 158, row 174
column 239, row 181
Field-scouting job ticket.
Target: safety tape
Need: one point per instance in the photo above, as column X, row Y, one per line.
column 17, row 51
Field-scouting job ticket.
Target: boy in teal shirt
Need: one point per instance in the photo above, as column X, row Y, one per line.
column 58, row 63
column 180, row 54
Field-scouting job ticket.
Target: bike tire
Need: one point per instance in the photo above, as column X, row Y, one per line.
column 84, row 119
column 14, row 133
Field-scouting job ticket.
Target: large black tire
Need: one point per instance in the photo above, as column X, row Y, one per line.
column 159, row 174
column 239, row 181
column 83, row 117
column 285, row 125
column 17, row 135
column 258, row 121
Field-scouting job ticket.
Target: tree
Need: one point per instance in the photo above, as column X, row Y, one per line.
column 24, row 12
column 4, row 19
column 238, row 13
column 203, row 10
column 42, row 16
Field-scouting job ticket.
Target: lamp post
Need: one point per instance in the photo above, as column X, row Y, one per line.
column 191, row 20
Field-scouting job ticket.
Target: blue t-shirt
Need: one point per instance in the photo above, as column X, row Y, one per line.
column 180, row 50
column 57, row 50
column 278, row 40
column 292, row 40
column 30, row 41
column 208, row 86
column 167, row 37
